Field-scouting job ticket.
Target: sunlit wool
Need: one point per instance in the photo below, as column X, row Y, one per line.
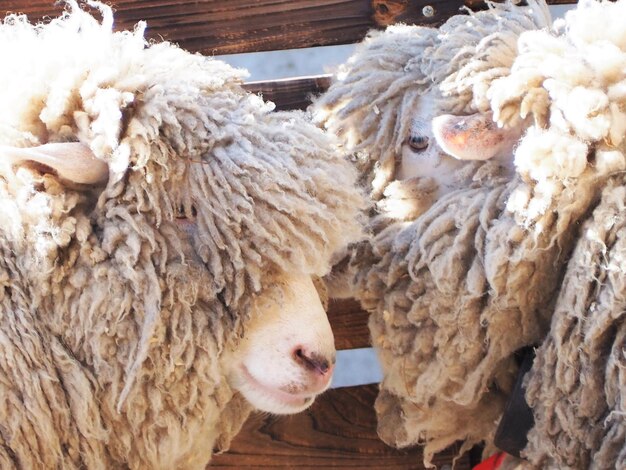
column 577, row 386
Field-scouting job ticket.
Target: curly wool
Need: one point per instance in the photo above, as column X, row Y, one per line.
column 577, row 385
column 453, row 295
column 572, row 83
column 113, row 324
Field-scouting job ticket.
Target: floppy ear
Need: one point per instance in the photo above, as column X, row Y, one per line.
column 473, row 137
column 71, row 161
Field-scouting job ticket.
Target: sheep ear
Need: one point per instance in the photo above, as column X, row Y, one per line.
column 473, row 137
column 71, row 161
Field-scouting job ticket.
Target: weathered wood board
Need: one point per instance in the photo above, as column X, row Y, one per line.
column 338, row 431
column 349, row 323
column 294, row 93
column 215, row 27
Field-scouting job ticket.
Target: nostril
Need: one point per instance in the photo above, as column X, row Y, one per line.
column 311, row 361
column 321, row 365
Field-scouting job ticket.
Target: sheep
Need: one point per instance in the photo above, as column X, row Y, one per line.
column 465, row 269
column 424, row 276
column 576, row 384
column 159, row 230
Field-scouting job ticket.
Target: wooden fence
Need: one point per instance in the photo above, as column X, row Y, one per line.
column 339, row 430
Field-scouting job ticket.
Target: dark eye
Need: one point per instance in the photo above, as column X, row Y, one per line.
column 418, row 142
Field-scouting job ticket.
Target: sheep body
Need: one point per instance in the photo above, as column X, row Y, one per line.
column 576, row 383
column 114, row 320
column 444, row 292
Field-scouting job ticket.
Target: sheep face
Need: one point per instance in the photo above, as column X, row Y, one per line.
column 440, row 153
column 287, row 354
column 422, row 155
column 438, row 145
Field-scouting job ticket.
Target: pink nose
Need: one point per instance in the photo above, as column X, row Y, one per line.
column 319, row 367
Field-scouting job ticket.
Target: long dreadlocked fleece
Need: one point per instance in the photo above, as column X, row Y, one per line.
column 455, row 292
column 112, row 324
column 577, row 385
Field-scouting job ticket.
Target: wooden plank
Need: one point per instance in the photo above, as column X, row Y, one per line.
column 293, row 93
column 349, row 323
column 223, row 27
column 219, row 27
column 338, row 431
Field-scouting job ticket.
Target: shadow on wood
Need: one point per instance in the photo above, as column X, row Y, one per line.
column 338, row 431
column 292, row 93
column 349, row 323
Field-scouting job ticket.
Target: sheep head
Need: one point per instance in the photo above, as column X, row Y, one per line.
column 437, row 143
column 286, row 356
column 400, row 79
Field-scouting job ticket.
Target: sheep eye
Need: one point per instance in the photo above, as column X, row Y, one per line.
column 418, row 142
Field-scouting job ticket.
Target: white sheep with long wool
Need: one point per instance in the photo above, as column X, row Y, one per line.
column 159, row 229
column 473, row 271
column 422, row 276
